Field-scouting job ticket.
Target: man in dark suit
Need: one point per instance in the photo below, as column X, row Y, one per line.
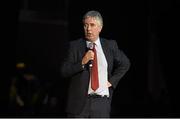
column 112, row 64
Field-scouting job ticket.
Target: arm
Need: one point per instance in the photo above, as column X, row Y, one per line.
column 70, row 65
column 120, row 67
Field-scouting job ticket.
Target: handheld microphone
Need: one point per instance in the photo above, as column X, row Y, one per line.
column 90, row 47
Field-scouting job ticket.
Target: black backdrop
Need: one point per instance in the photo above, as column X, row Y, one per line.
column 145, row 30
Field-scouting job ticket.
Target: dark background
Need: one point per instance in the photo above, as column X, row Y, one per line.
column 147, row 31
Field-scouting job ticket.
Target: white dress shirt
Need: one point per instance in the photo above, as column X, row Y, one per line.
column 102, row 71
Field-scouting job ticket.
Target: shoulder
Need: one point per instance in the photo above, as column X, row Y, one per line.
column 76, row 42
column 109, row 42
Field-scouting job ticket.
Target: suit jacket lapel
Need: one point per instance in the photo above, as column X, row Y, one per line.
column 104, row 45
column 109, row 57
column 82, row 47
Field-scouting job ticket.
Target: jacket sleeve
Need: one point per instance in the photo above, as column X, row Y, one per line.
column 70, row 65
column 121, row 65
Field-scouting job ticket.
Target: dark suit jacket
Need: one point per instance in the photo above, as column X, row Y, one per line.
column 118, row 65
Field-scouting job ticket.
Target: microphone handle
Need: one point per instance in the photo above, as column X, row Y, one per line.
column 90, row 63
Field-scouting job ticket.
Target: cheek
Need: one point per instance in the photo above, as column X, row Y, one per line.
column 85, row 30
column 99, row 29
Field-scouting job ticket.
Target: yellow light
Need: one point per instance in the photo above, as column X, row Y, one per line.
column 20, row 65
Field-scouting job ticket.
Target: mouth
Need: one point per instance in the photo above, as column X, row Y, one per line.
column 88, row 34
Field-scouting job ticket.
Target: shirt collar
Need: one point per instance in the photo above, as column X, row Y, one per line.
column 97, row 42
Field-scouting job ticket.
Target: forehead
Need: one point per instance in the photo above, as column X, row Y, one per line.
column 90, row 20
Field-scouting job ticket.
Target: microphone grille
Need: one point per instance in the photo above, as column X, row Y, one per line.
column 90, row 45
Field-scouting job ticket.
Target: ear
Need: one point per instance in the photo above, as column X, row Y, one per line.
column 100, row 28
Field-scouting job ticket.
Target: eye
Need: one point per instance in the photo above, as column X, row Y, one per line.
column 85, row 25
column 92, row 25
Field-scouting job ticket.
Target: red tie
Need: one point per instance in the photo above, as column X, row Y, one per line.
column 94, row 71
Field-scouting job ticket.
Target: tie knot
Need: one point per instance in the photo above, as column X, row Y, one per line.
column 94, row 44
column 91, row 45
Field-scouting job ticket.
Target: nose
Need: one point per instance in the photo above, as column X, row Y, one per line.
column 88, row 27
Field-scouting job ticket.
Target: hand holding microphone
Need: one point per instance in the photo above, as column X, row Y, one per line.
column 89, row 56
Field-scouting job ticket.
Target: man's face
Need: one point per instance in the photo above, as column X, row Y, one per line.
column 92, row 28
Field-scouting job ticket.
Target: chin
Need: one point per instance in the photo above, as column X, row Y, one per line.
column 89, row 39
